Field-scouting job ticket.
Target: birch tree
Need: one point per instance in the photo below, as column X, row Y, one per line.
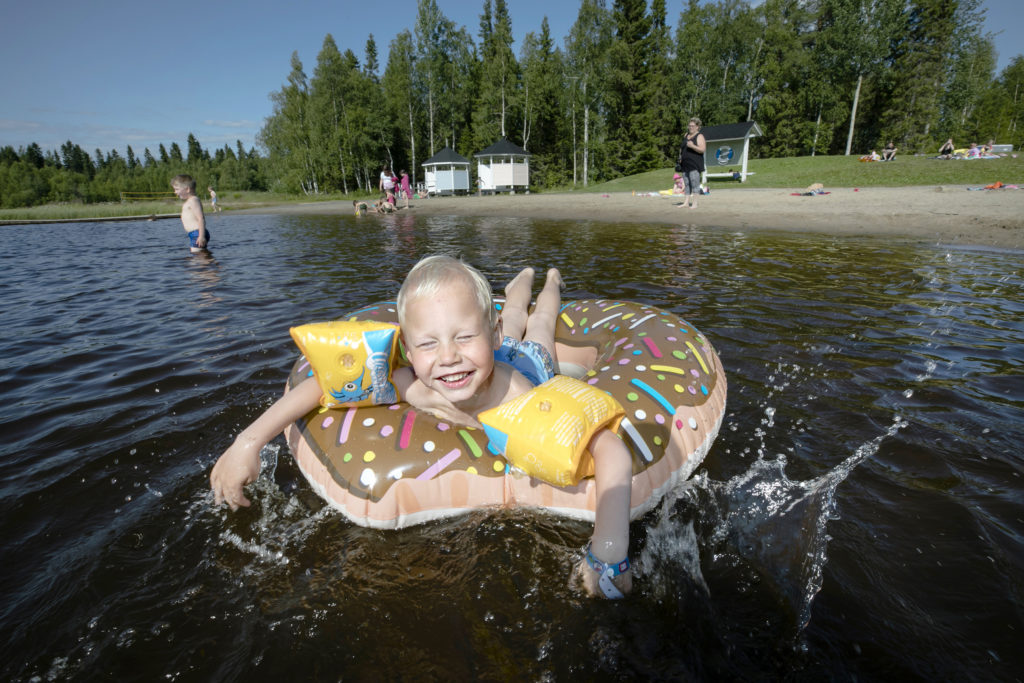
column 587, row 57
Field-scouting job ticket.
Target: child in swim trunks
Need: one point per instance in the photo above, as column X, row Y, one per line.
column 192, row 218
column 457, row 344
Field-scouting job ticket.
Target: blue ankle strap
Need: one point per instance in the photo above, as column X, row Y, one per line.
column 606, row 573
column 601, row 567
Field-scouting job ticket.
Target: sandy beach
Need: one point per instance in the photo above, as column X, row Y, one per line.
column 937, row 214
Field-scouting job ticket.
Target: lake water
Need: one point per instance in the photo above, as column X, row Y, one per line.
column 861, row 515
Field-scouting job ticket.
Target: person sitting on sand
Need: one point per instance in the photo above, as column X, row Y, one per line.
column 456, row 343
column 947, row 149
column 889, row 152
column 384, row 205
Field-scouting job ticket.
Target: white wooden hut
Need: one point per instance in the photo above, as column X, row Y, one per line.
column 503, row 167
column 727, row 147
column 447, row 172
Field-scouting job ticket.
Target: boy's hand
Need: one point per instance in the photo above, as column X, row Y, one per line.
column 238, row 466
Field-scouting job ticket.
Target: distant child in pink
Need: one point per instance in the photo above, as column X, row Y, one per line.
column 406, row 189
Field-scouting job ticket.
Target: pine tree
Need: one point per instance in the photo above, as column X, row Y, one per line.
column 498, row 77
column 400, row 94
column 919, row 73
column 543, row 126
column 657, row 98
column 329, row 126
column 371, row 66
column 431, row 30
column 195, row 150
column 34, row 155
column 781, row 104
column 286, row 133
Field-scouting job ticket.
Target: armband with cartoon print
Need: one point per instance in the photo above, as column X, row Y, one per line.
column 352, row 360
column 545, row 432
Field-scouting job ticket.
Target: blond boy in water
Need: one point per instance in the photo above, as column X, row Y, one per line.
column 451, row 331
column 192, row 218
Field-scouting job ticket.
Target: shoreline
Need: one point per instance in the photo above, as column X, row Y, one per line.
column 99, row 219
column 937, row 214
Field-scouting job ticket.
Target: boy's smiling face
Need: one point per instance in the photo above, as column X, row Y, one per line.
column 451, row 344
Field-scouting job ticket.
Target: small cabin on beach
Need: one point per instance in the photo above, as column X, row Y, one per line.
column 447, row 172
column 726, row 153
column 503, row 167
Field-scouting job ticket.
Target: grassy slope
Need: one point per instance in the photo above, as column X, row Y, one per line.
column 842, row 171
column 791, row 172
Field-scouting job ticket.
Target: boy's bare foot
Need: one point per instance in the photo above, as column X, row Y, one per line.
column 555, row 277
column 526, row 274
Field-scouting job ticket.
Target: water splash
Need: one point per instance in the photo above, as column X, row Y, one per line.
column 780, row 525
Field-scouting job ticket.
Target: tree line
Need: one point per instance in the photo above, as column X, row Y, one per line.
column 30, row 176
column 819, row 77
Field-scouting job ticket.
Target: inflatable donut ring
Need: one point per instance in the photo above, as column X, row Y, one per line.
column 393, row 466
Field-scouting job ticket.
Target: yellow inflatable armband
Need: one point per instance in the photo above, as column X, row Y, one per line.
column 545, row 431
column 352, row 360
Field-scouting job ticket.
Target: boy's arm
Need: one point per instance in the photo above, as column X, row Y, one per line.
column 613, row 477
column 197, row 211
column 240, row 464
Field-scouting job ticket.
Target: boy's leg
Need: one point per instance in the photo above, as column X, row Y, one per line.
column 540, row 326
column 517, row 304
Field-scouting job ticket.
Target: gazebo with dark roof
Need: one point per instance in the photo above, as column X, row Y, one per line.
column 503, row 167
column 727, row 145
column 447, row 172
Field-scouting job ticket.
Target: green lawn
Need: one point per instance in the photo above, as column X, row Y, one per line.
column 843, row 171
column 791, row 172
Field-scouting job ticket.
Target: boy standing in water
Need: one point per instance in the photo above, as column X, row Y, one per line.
column 452, row 332
column 192, row 218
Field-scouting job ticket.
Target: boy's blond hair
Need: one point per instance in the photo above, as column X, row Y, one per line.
column 184, row 180
column 434, row 272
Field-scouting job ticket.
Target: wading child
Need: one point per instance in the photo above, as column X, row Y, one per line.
column 452, row 334
column 192, row 218
column 213, row 199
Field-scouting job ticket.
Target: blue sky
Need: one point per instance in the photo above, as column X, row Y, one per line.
column 116, row 73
